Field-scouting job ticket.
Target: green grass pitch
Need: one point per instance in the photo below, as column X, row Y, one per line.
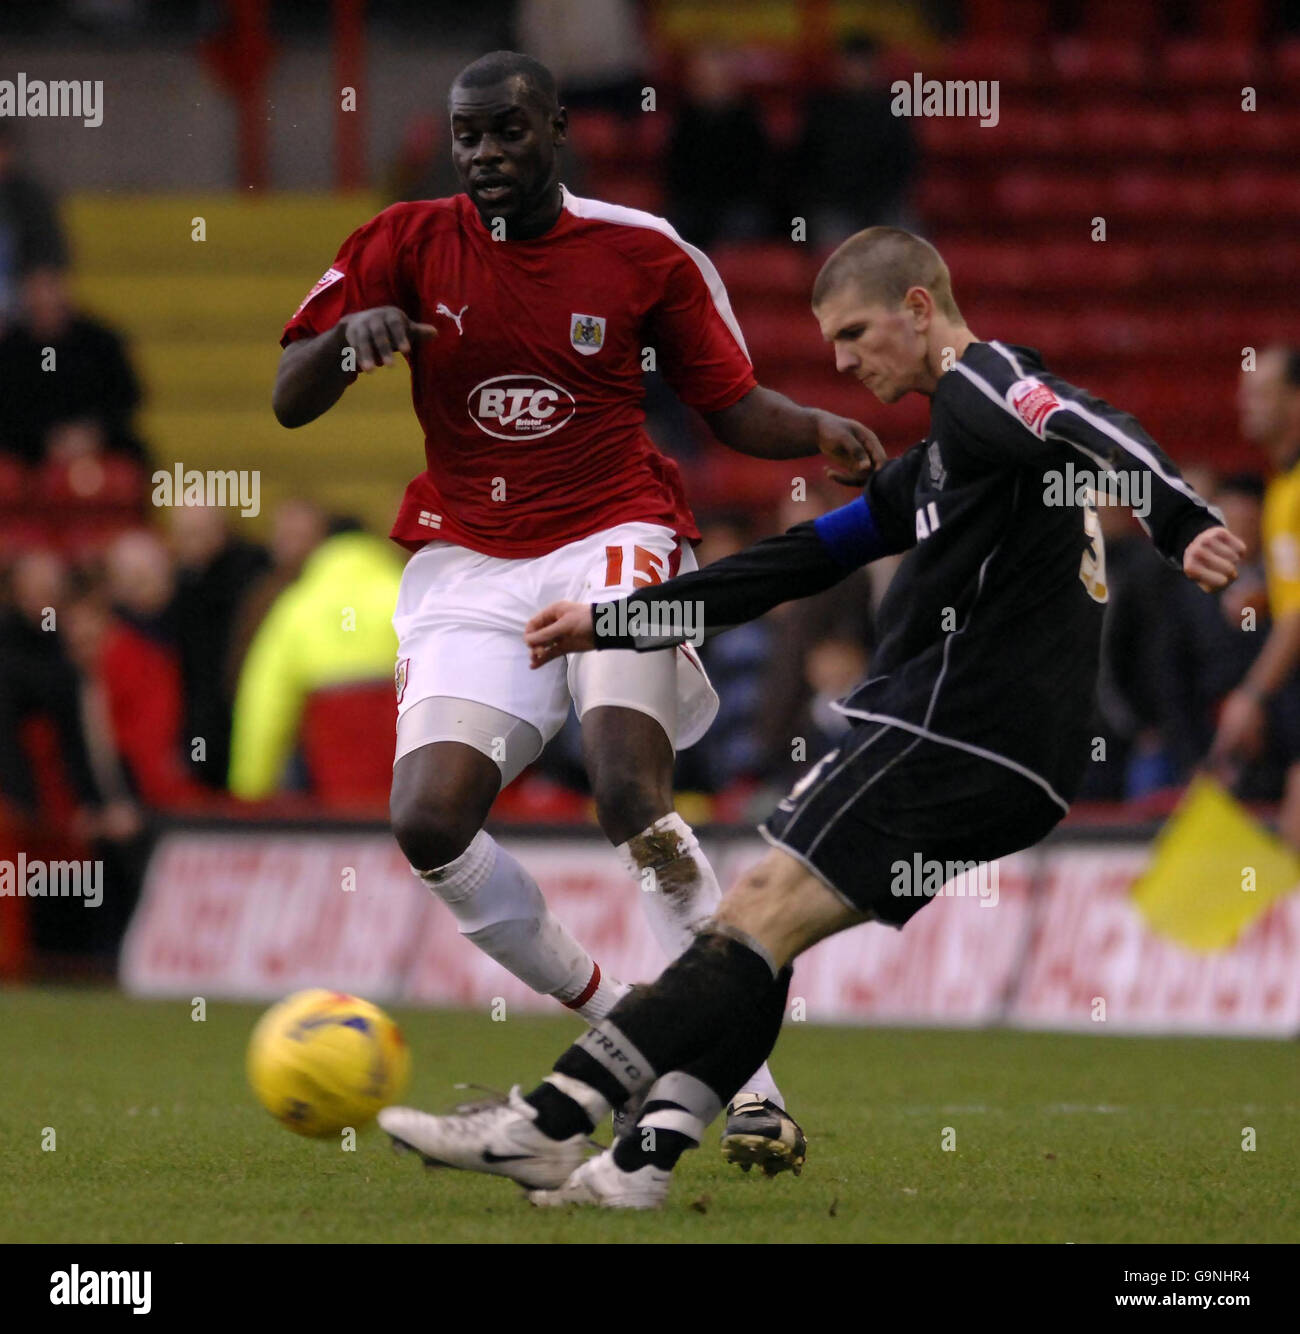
column 1080, row 1138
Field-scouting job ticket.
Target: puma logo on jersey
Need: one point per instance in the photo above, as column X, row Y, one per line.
column 455, row 317
column 515, row 407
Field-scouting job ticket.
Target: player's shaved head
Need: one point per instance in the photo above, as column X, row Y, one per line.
column 499, row 66
column 882, row 264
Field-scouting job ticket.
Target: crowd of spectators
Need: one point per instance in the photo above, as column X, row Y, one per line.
column 177, row 663
column 850, row 164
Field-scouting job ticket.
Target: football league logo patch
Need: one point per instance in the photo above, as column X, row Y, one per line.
column 1033, row 402
column 400, row 675
column 587, row 333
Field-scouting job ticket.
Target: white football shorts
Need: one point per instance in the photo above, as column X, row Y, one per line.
column 460, row 621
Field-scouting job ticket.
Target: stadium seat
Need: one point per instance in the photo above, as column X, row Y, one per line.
column 1207, row 63
column 634, row 191
column 1286, row 63
column 21, row 533
column 14, row 480
column 764, row 269
column 600, row 138
column 1013, row 59
column 1265, row 192
column 106, row 481
column 1100, row 61
column 1044, row 194
column 347, row 743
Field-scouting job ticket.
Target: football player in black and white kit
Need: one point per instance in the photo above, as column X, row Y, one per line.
column 967, row 743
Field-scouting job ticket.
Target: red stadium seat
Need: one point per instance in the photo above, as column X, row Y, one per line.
column 599, row 136
column 1093, row 61
column 1046, row 194
column 765, row 269
column 20, row 533
column 15, row 480
column 347, row 743
column 1270, row 193
column 1014, row 60
column 782, row 336
column 91, row 532
column 97, row 480
column 1201, row 63
column 1286, row 63
column 633, row 192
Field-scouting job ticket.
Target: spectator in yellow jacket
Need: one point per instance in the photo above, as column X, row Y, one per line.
column 331, row 626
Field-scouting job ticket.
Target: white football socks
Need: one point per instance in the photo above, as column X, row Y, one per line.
column 498, row 906
column 680, row 893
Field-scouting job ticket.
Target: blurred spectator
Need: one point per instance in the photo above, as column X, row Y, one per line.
column 130, row 707
column 831, row 669
column 37, row 679
column 423, row 168
column 1132, row 694
column 298, row 527
column 31, row 236
column 69, row 389
column 1208, row 653
column 855, row 159
column 141, row 583
column 845, row 612
column 332, row 625
column 594, row 48
column 719, row 171
column 133, row 708
column 214, row 573
column 731, row 750
column 1263, row 711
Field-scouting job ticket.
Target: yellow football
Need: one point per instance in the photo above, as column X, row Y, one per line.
column 322, row 1060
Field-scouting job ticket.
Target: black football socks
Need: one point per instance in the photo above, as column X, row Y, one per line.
column 716, row 1001
column 682, row 1105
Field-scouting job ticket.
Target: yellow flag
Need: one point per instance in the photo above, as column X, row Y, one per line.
column 1213, row 870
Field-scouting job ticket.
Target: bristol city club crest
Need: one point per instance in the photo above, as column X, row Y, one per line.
column 587, row 333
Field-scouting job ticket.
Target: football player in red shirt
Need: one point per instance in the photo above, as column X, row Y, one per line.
column 525, row 315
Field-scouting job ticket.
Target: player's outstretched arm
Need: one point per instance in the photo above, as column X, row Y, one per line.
column 806, row 559
column 767, row 425
column 314, row 372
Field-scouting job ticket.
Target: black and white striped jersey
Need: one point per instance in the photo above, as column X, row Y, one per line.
column 991, row 628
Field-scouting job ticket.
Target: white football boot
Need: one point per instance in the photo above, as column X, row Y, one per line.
column 498, row 1138
column 602, row 1182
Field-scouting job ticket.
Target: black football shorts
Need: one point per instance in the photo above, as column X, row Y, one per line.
column 888, row 803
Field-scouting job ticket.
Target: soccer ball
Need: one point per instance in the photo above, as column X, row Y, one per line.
column 321, row 1060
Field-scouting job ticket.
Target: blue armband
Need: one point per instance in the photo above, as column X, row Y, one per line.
column 850, row 534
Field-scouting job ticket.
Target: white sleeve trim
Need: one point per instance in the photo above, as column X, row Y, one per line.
column 1127, row 443
column 599, row 210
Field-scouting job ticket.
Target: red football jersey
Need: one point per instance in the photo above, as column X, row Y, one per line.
column 530, row 396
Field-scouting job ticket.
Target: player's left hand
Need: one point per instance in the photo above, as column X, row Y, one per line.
column 854, row 450
column 1211, row 558
column 563, row 627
